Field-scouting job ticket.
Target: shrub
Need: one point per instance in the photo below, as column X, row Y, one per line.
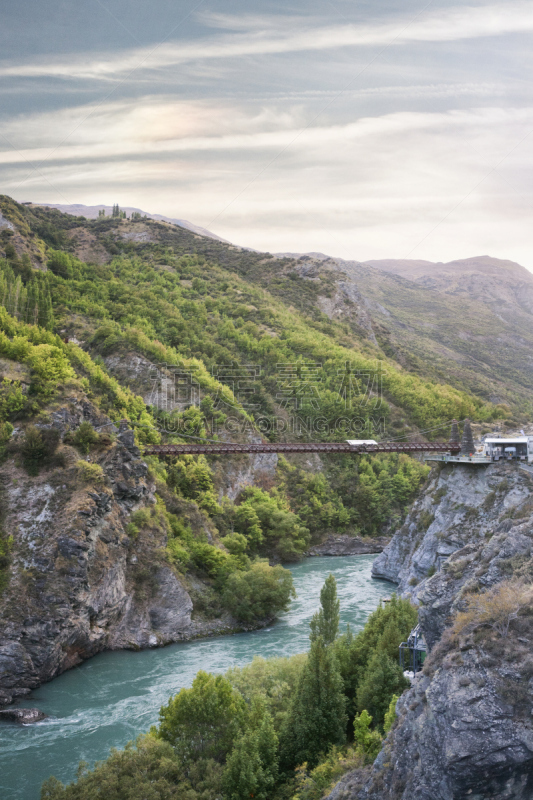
column 85, row 437
column 12, row 398
column 179, row 555
column 261, row 592
column 141, row 518
column 366, row 740
column 38, row 447
column 390, row 716
column 145, row 769
column 425, row 519
column 6, row 546
column 90, row 473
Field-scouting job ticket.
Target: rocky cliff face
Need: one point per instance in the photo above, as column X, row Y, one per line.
column 460, row 505
column 465, row 728
column 79, row 583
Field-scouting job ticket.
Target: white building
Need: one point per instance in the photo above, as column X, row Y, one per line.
column 508, row 449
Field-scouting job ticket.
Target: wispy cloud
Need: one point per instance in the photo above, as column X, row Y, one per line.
column 269, row 36
column 157, row 126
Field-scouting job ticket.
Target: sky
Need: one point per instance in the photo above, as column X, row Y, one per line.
column 364, row 130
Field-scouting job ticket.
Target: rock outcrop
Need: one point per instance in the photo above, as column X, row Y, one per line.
column 465, row 728
column 80, row 580
column 346, row 545
column 24, row 716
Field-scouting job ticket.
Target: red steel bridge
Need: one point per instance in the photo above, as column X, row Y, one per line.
column 225, row 448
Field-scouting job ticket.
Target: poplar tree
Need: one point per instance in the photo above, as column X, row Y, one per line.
column 325, row 623
column 317, row 716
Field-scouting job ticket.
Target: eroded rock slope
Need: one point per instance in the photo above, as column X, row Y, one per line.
column 79, row 583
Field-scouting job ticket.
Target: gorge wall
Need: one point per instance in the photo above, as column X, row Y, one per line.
column 465, row 727
column 81, row 579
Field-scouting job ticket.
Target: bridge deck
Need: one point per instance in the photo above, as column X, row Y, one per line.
column 225, row 448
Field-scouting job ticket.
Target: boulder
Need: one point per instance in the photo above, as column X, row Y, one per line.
column 25, row 716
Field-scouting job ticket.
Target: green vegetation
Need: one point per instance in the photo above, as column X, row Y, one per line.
column 258, row 593
column 38, row 448
column 210, row 303
column 361, row 496
column 90, row 473
column 325, row 623
column 274, row 729
column 6, row 546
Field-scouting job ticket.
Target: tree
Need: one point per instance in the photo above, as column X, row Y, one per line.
column 263, row 591
column 383, row 679
column 145, row 770
column 390, row 716
column 203, row 721
column 325, row 623
column 388, row 626
column 316, row 718
column 252, row 767
column 85, row 437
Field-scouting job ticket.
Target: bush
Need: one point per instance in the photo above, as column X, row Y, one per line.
column 146, row 769
column 261, row 592
column 38, row 447
column 367, row 741
column 12, row 399
column 425, row 519
column 6, row 547
column 85, row 437
column 90, row 473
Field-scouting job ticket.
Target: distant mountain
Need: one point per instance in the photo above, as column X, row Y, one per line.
column 91, row 212
column 467, row 322
column 503, row 285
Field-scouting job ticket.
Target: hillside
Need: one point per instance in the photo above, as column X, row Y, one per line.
column 468, row 323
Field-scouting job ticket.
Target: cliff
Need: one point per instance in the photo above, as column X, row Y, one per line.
column 460, row 505
column 465, row 727
column 81, row 578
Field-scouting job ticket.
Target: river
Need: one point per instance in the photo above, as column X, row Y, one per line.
column 114, row 696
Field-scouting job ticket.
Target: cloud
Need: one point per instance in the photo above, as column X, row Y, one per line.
column 159, row 127
column 269, row 36
column 373, row 187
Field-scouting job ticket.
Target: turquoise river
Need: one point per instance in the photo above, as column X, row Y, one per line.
column 114, row 696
